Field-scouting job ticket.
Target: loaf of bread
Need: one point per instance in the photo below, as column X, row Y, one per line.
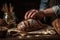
column 29, row 25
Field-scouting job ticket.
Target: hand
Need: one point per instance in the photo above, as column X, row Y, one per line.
column 34, row 14
column 31, row 14
column 5, row 8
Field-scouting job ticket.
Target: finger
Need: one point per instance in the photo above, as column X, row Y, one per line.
column 11, row 8
column 26, row 15
column 6, row 8
column 34, row 14
column 31, row 12
column 3, row 9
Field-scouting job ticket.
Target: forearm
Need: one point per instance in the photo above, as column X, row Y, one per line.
column 49, row 12
column 55, row 10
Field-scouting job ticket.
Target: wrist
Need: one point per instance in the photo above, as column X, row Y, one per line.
column 41, row 14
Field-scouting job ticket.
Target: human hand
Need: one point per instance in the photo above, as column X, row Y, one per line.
column 31, row 14
column 5, row 8
column 34, row 14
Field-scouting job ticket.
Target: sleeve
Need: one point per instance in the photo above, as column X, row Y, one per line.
column 44, row 4
column 56, row 10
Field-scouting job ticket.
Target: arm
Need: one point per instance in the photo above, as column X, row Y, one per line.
column 55, row 10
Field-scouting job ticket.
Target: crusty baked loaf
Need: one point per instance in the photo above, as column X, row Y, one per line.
column 29, row 25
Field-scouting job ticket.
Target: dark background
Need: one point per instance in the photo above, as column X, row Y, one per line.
column 20, row 7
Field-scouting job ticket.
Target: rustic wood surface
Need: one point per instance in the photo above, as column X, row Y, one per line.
column 41, row 37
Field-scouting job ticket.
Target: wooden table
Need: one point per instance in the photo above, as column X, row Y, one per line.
column 33, row 37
